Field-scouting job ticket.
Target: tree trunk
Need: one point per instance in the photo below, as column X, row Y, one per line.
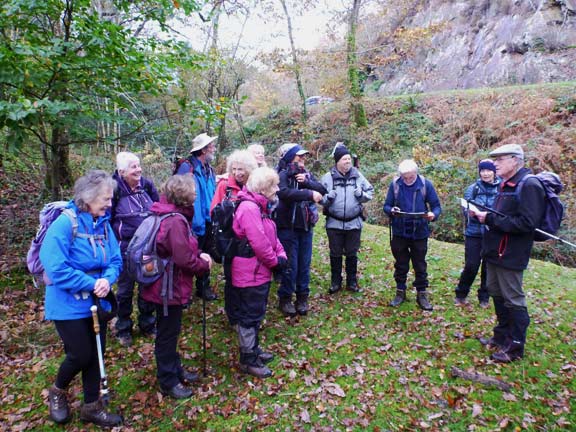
column 296, row 64
column 59, row 174
column 356, row 106
column 213, row 75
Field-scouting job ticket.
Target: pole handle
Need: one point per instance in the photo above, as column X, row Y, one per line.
column 94, row 310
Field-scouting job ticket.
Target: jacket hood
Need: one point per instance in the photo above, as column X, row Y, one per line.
column 259, row 199
column 164, row 207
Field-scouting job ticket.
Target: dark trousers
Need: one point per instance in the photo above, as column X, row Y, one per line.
column 249, row 305
column 124, row 296
column 81, row 355
column 343, row 242
column 168, row 364
column 404, row 251
column 298, row 247
column 472, row 263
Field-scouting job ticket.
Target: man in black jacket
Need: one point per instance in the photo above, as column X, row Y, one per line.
column 506, row 248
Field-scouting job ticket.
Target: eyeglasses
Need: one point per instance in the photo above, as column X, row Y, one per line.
column 502, row 158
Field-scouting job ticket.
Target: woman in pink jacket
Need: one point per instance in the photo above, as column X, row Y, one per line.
column 175, row 241
column 260, row 253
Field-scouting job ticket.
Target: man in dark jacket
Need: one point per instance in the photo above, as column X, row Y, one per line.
column 412, row 203
column 506, row 248
column 295, row 218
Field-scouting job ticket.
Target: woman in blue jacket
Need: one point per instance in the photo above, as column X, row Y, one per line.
column 81, row 262
column 483, row 191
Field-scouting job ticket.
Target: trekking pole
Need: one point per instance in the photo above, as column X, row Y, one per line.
column 206, row 282
column 538, row 230
column 103, row 379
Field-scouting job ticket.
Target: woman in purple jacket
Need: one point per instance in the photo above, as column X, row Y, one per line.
column 261, row 253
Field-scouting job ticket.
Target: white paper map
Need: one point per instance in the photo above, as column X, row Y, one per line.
column 468, row 205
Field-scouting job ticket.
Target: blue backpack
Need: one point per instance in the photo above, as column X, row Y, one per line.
column 554, row 212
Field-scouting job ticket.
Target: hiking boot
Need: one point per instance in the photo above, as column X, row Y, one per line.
column 422, row 300
column 151, row 333
column 124, row 339
column 460, row 301
column 179, row 391
column 334, row 288
column 187, row 376
column 484, row 304
column 353, row 287
column 59, row 409
column 257, row 369
column 265, row 357
column 301, row 304
column 515, row 351
column 491, row 343
column 399, row 299
column 286, row 307
column 95, row 412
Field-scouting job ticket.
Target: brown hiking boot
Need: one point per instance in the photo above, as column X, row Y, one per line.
column 95, row 412
column 399, row 299
column 422, row 300
column 257, row 369
column 59, row 409
column 286, row 307
column 301, row 304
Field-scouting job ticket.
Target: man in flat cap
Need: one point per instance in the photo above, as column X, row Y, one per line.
column 198, row 164
column 506, row 249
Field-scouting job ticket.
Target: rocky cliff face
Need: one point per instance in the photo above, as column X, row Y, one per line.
column 480, row 43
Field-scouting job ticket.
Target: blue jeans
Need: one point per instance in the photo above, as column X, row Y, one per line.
column 298, row 247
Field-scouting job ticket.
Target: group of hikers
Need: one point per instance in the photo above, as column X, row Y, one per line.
column 275, row 214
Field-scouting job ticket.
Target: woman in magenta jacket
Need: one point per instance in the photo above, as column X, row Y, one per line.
column 175, row 241
column 260, row 253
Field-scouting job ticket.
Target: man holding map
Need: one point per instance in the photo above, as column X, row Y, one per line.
column 411, row 203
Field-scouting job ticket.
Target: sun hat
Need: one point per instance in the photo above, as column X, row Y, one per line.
column 201, row 141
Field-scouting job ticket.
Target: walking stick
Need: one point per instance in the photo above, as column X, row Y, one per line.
column 206, row 281
column 552, row 236
column 103, row 379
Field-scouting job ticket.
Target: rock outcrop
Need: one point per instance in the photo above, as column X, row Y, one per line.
column 483, row 43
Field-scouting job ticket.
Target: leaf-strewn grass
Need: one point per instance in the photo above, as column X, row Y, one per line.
column 352, row 364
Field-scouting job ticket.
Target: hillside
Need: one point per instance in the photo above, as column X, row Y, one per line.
column 471, row 44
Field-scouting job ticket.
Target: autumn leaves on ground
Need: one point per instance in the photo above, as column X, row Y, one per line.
column 353, row 363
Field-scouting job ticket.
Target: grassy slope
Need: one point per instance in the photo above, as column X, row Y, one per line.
column 354, row 363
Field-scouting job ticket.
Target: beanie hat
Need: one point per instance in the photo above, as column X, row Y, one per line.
column 486, row 164
column 340, row 150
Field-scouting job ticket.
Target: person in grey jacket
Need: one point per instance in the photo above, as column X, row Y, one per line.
column 347, row 190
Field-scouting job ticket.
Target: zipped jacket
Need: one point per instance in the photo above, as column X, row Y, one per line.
column 175, row 241
column 73, row 264
column 484, row 194
column 205, row 188
column 130, row 207
column 410, row 199
column 508, row 239
column 345, row 211
column 296, row 208
column 252, row 222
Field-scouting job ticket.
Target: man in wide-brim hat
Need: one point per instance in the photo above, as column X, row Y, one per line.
column 198, row 164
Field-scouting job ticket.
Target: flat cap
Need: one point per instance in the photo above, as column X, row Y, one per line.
column 508, row 149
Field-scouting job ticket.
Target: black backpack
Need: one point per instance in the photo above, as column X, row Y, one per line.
column 223, row 244
column 554, row 212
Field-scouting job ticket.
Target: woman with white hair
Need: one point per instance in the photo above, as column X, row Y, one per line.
column 262, row 253
column 259, row 153
column 239, row 165
column 411, row 203
column 130, row 205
